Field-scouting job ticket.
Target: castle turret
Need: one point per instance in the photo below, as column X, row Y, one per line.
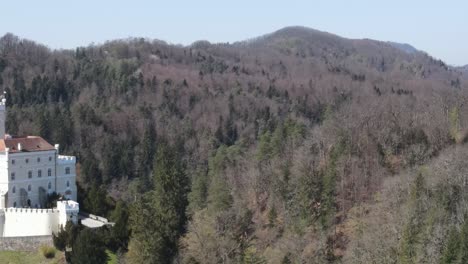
column 2, row 116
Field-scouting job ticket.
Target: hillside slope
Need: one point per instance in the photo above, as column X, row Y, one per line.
column 281, row 135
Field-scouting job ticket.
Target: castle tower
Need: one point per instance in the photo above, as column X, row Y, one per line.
column 2, row 116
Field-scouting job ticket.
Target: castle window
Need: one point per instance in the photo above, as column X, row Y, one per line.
column 50, row 158
column 38, row 159
column 14, row 189
column 39, row 173
column 68, row 183
column 13, row 176
column 49, row 186
column 29, row 187
column 14, row 204
column 49, row 172
column 29, row 174
column 67, row 170
column 13, row 162
column 26, row 160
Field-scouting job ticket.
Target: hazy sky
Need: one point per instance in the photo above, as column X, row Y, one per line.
column 438, row 27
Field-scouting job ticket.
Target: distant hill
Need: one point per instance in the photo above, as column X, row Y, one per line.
column 404, row 47
column 291, row 141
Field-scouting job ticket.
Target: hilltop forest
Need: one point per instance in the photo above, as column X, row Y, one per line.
column 295, row 147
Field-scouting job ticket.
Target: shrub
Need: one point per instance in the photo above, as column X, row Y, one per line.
column 47, row 251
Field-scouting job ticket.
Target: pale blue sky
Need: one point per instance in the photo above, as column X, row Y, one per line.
column 437, row 27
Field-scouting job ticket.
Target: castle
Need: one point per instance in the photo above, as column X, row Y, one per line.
column 30, row 170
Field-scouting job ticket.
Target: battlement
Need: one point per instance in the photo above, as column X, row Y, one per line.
column 30, row 210
column 66, row 159
column 68, row 206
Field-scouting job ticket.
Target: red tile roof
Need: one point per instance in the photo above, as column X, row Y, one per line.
column 28, row 144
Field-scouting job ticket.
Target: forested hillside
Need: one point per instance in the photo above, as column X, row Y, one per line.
column 295, row 147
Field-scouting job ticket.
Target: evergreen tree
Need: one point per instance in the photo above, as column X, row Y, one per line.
column 464, row 241
column 199, row 192
column 66, row 236
column 43, row 124
column 452, row 248
column 88, row 248
column 148, row 148
column 158, row 218
column 120, row 232
column 95, row 201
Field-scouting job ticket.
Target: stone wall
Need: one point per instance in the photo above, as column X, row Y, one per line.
column 24, row 243
column 21, row 222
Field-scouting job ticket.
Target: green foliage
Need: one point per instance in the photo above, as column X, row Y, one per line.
column 158, row 218
column 120, row 232
column 47, row 251
column 52, row 199
column 452, row 247
column 251, row 256
column 286, row 134
column 412, row 232
column 264, row 147
column 219, row 193
column 60, row 239
column 307, row 196
column 88, row 248
column 328, row 203
column 287, row 259
column 464, row 241
column 90, row 169
column 66, row 236
column 146, row 155
column 199, row 192
column 95, row 201
column 272, row 217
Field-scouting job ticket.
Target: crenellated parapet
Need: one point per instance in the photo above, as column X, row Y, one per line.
column 61, row 159
column 30, row 210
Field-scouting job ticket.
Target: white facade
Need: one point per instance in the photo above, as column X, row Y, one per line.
column 26, row 178
column 16, row 222
column 30, row 170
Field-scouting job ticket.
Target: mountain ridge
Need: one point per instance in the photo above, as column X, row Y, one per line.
column 289, row 141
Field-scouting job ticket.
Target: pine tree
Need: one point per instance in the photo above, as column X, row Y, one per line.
column 452, row 248
column 88, row 248
column 120, row 232
column 148, row 148
column 199, row 192
column 158, row 219
column 464, row 241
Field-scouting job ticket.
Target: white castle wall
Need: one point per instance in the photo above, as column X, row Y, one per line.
column 20, row 222
column 30, row 222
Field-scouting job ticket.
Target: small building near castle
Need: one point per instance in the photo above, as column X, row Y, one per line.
column 30, row 170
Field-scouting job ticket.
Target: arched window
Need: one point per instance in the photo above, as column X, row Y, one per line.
column 50, row 158
column 29, row 174
column 13, row 176
column 67, row 170
column 49, row 186
column 38, row 159
column 14, row 204
column 49, row 172
column 14, row 189
column 29, row 187
column 27, row 160
column 12, row 162
column 68, row 183
column 39, row 173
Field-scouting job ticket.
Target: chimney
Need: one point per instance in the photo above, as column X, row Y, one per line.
column 20, row 147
